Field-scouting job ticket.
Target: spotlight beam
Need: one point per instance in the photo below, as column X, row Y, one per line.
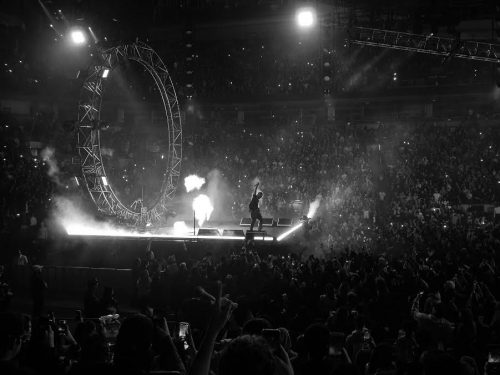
column 288, row 232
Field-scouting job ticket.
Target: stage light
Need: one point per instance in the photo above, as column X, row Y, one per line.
column 305, row 18
column 105, row 73
column 104, row 181
column 289, row 232
column 78, row 37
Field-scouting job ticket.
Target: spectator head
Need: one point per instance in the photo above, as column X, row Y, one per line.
column 108, row 293
column 93, row 284
column 260, row 194
column 469, row 366
column 317, row 340
column 380, row 359
column 255, row 326
column 133, row 343
column 94, row 350
column 247, row 355
column 359, row 322
column 84, row 330
column 437, row 362
column 11, row 332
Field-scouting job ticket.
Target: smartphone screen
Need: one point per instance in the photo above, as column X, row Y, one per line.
column 183, row 331
column 183, row 328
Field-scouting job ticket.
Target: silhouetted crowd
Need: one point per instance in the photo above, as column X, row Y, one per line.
column 432, row 309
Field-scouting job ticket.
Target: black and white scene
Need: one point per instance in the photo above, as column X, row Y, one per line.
column 250, row 187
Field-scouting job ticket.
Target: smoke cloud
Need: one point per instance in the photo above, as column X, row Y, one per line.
column 48, row 156
column 313, row 207
column 180, row 227
column 220, row 195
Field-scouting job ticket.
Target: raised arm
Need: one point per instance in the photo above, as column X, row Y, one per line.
column 255, row 190
column 222, row 310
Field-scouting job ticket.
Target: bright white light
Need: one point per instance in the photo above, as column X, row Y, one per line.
column 180, row 227
column 202, row 208
column 78, row 37
column 105, row 73
column 305, row 17
column 104, row 180
column 193, row 182
column 288, row 232
column 313, row 207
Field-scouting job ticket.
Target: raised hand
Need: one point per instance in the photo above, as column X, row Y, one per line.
column 222, row 309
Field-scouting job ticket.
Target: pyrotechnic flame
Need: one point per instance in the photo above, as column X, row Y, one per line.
column 202, row 208
column 313, row 207
column 193, row 182
column 180, row 227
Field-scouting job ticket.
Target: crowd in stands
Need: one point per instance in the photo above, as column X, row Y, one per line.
column 398, row 180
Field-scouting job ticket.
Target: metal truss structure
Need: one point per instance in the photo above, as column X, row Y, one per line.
column 429, row 44
column 88, row 139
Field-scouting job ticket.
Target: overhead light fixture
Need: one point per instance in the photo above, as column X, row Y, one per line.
column 104, row 180
column 306, row 18
column 105, row 73
column 78, row 37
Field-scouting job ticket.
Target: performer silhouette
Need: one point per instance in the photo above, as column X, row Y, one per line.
column 254, row 208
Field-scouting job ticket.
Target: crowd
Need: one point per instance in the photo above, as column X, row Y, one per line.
column 397, row 180
column 431, row 310
column 393, row 275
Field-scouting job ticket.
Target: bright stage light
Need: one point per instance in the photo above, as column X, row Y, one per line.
column 105, row 73
column 202, row 208
column 288, row 232
column 306, row 18
column 193, row 182
column 78, row 37
column 104, row 181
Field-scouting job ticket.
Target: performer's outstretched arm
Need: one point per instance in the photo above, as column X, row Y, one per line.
column 255, row 190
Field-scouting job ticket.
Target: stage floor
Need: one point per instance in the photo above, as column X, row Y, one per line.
column 213, row 231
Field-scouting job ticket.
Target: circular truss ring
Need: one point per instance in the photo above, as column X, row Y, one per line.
column 89, row 136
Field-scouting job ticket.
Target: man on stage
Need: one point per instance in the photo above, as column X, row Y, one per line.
column 254, row 208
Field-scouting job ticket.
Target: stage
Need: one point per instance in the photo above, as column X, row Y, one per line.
column 213, row 231
column 118, row 247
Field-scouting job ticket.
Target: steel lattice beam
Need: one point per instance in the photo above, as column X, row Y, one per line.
column 88, row 139
column 429, row 44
